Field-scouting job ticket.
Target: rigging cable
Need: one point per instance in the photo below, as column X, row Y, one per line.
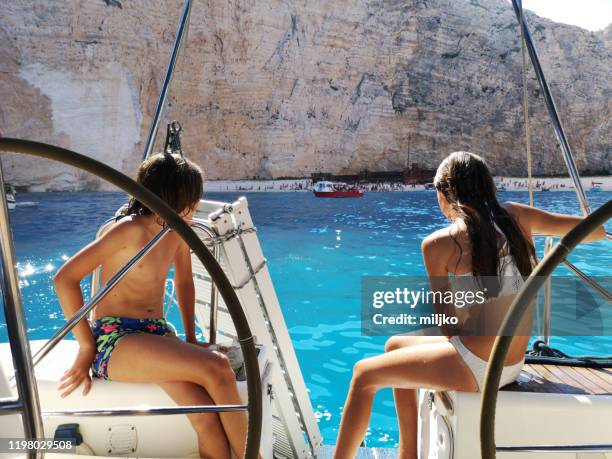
column 526, row 108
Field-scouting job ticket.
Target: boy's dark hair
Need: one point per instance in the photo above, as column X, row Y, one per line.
column 175, row 179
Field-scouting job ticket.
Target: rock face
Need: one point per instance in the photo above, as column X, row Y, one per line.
column 268, row 88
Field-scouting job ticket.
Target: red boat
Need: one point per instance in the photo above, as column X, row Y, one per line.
column 336, row 190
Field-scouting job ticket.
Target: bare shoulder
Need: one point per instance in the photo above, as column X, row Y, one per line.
column 127, row 229
column 441, row 241
column 522, row 214
column 514, row 208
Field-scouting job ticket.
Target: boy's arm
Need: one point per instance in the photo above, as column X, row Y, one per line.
column 185, row 290
column 67, row 285
column 68, row 278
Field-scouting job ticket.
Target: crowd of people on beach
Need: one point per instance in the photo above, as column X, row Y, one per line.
column 524, row 184
column 289, row 185
column 386, row 186
column 294, row 186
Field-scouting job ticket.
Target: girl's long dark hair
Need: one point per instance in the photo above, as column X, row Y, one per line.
column 466, row 182
column 175, row 179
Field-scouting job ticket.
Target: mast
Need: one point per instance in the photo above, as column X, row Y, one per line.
column 552, row 109
column 163, row 96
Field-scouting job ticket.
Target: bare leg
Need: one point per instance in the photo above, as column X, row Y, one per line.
column 406, row 400
column 146, row 358
column 212, row 441
column 434, row 365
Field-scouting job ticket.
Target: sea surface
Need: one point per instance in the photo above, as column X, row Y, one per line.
column 318, row 250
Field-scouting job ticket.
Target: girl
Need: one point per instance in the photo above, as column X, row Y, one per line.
column 129, row 339
column 484, row 241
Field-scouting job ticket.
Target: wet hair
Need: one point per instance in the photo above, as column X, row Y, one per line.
column 466, row 182
column 172, row 177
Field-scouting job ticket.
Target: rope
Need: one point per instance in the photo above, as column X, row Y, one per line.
column 526, row 109
column 543, row 354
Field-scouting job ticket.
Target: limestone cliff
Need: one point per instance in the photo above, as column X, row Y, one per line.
column 269, row 88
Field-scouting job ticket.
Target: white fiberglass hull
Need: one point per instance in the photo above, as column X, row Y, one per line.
column 134, row 436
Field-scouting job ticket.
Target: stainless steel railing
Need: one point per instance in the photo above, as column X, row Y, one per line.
column 556, row 449
column 214, row 293
column 567, row 156
column 552, row 110
column 589, row 280
column 27, row 403
column 545, row 332
column 153, row 411
column 547, row 307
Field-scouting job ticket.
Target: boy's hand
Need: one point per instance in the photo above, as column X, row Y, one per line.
column 79, row 373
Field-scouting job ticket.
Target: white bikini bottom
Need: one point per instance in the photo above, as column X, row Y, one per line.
column 478, row 367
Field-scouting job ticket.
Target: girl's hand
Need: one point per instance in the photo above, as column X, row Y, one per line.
column 79, row 373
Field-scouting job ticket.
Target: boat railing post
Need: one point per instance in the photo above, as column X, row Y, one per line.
column 17, row 330
column 214, row 305
column 163, row 96
column 547, row 307
column 214, row 293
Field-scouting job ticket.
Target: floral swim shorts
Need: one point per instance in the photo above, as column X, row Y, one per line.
column 109, row 330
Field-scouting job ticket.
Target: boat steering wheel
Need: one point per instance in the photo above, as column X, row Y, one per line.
column 513, row 317
column 178, row 225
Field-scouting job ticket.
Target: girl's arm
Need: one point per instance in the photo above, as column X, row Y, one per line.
column 185, row 290
column 67, row 282
column 436, row 249
column 538, row 221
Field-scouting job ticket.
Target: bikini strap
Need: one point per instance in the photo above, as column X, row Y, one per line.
column 503, row 235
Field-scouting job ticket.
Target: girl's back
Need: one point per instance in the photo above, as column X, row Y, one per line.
column 484, row 319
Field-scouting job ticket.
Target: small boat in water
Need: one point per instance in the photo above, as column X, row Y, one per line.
column 10, row 192
column 336, row 190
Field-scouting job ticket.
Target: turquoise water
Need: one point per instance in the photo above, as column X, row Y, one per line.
column 318, row 249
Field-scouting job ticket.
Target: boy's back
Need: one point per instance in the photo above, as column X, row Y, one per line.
column 140, row 293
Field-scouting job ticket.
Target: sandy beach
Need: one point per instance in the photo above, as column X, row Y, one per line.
column 603, row 183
